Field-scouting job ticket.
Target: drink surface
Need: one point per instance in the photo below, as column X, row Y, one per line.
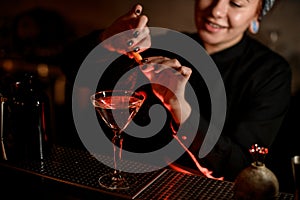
column 117, row 111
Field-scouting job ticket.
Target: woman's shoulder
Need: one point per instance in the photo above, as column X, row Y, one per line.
column 266, row 63
column 263, row 52
column 265, row 60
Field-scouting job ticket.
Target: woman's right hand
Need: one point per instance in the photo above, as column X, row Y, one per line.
column 134, row 35
column 169, row 79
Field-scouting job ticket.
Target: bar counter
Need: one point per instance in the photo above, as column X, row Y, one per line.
column 69, row 173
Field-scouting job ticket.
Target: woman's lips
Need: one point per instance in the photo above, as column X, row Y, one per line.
column 213, row 27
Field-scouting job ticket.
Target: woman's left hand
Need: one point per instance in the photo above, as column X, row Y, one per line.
column 131, row 33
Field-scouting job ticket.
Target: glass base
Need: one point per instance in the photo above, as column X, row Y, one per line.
column 117, row 181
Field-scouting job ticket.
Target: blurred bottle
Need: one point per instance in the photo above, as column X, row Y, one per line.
column 3, row 110
column 28, row 136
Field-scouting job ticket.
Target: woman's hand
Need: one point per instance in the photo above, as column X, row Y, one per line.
column 168, row 79
column 133, row 33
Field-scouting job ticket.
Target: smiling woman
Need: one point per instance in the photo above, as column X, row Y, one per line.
column 221, row 24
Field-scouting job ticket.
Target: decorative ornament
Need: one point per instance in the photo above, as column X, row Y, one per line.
column 256, row 181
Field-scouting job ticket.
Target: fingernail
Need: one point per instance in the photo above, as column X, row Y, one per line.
column 144, row 60
column 137, row 11
column 130, row 43
column 144, row 67
column 136, row 34
column 136, row 49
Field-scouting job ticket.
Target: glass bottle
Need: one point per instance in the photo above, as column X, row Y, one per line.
column 30, row 133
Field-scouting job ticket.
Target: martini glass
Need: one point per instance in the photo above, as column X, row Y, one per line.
column 117, row 108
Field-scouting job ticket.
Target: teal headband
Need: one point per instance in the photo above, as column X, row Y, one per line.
column 267, row 7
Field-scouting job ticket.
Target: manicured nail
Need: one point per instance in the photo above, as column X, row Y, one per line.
column 144, row 60
column 130, row 43
column 144, row 67
column 136, row 49
column 137, row 11
column 136, row 34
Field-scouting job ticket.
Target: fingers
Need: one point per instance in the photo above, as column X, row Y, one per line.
column 136, row 13
column 158, row 64
column 133, row 33
column 143, row 20
column 125, row 22
column 140, row 38
column 186, row 71
column 140, row 34
column 152, row 63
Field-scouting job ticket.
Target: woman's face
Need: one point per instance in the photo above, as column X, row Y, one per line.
column 222, row 23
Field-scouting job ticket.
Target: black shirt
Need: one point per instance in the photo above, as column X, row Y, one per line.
column 257, row 83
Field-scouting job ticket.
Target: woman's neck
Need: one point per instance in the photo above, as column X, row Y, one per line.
column 214, row 48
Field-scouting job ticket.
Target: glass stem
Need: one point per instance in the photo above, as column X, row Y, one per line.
column 117, row 141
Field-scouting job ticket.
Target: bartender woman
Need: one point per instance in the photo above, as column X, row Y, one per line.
column 257, row 80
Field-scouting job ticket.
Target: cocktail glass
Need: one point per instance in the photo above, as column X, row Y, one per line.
column 117, row 108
